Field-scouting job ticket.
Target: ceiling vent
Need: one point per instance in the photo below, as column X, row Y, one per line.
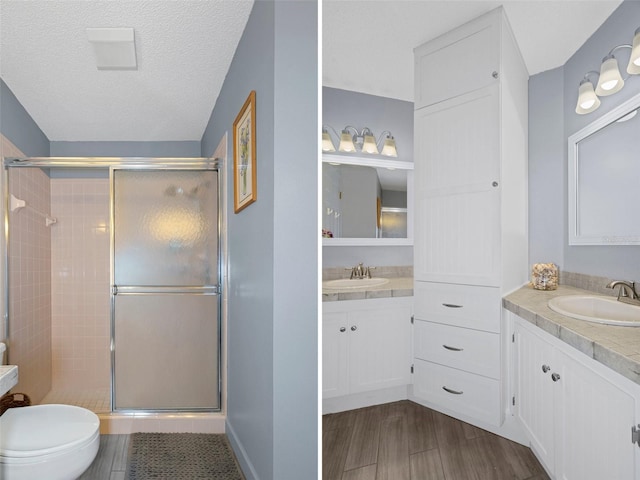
column 114, row 48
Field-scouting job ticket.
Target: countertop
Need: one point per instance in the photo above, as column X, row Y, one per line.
column 396, row 287
column 616, row 347
column 8, row 378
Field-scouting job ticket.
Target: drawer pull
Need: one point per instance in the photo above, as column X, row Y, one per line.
column 455, row 392
column 453, row 349
column 451, row 305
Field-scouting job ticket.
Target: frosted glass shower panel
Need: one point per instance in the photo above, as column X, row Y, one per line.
column 166, row 227
column 166, row 352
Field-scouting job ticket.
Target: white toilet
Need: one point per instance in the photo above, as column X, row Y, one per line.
column 53, row 442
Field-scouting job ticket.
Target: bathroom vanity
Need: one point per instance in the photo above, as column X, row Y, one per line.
column 575, row 388
column 366, row 345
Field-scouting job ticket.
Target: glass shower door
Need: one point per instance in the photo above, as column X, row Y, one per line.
column 165, row 289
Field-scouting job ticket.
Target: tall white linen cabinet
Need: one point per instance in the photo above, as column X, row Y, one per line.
column 470, row 231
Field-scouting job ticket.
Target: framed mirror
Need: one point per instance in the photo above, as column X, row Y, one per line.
column 366, row 201
column 604, row 179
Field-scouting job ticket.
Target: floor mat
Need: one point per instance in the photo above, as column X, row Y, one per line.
column 178, row 456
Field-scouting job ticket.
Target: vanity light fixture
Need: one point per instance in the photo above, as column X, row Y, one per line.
column 634, row 61
column 588, row 101
column 352, row 141
column 610, row 80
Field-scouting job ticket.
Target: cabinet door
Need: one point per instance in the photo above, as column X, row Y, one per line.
column 379, row 350
column 595, row 427
column 535, row 400
column 335, row 358
column 469, row 55
column 457, row 194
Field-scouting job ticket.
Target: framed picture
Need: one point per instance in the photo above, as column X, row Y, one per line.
column 244, row 155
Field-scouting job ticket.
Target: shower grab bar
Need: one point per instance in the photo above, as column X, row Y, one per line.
column 17, row 204
column 165, row 289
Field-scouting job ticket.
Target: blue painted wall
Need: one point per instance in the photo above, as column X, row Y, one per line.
column 344, row 107
column 125, row 149
column 18, row 127
column 272, row 313
column 547, row 170
column 295, row 314
column 553, row 96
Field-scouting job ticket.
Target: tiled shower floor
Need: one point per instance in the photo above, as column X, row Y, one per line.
column 96, row 400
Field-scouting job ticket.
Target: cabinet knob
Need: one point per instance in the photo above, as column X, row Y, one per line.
column 343, row 329
column 494, row 184
column 546, row 368
column 494, row 74
column 555, row 377
column 353, row 328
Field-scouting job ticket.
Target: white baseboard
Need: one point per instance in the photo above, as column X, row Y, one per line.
column 364, row 399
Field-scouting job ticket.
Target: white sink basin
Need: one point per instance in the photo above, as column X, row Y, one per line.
column 597, row 309
column 354, row 283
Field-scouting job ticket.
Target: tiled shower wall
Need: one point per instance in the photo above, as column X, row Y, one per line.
column 80, row 283
column 30, row 283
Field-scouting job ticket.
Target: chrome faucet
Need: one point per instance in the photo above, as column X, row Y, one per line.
column 360, row 271
column 627, row 292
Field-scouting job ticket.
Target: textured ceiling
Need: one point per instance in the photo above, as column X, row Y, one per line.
column 184, row 50
column 368, row 45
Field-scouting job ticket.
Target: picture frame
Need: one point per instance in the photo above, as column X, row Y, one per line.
column 245, row 180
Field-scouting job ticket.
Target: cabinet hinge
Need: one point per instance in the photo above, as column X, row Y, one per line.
column 412, row 372
column 635, row 434
column 513, row 400
column 411, row 319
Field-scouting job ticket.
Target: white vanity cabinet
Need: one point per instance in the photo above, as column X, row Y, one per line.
column 366, row 346
column 576, row 413
column 470, row 220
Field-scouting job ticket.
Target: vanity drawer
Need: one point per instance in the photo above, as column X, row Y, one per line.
column 460, row 305
column 462, row 392
column 461, row 348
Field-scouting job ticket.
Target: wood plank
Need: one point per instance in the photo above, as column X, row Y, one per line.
column 101, row 466
column 336, row 420
column 121, row 452
column 362, row 473
column 480, row 458
column 471, row 431
column 521, row 460
column 421, row 428
column 427, row 465
column 335, row 445
column 449, row 431
column 393, row 457
column 363, row 448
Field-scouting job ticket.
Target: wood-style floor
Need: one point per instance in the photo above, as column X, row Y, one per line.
column 406, row 441
column 111, row 461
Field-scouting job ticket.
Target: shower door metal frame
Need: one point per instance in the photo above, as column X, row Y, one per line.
column 115, row 163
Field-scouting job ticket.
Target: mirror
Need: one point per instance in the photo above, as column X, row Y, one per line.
column 366, row 201
column 604, row 179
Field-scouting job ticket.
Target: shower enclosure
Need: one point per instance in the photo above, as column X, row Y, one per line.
column 164, row 280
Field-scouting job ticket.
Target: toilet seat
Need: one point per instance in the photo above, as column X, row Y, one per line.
column 45, row 431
